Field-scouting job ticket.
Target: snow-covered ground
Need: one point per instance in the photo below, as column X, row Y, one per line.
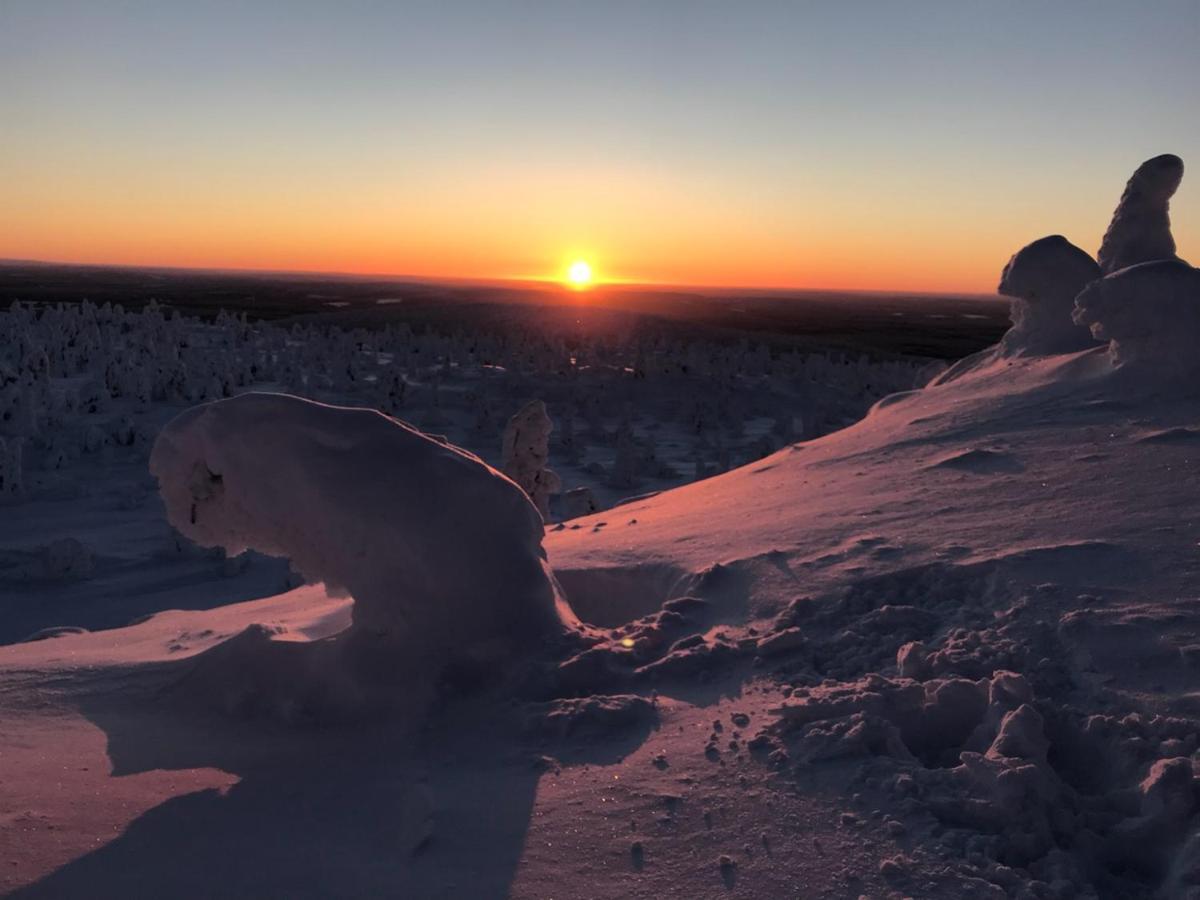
column 84, row 391
column 948, row 651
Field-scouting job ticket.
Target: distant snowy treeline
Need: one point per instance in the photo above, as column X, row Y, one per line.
column 626, row 411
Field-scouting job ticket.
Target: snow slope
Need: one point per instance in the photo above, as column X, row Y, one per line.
column 949, row 651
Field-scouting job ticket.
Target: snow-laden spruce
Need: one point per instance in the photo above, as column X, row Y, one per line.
column 1043, row 279
column 440, row 552
column 1140, row 230
column 1150, row 315
column 1137, row 295
column 527, row 454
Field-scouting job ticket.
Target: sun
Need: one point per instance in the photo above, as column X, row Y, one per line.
column 579, row 274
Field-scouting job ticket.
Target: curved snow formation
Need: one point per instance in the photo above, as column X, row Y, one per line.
column 1150, row 314
column 1043, row 279
column 439, row 551
column 1140, row 230
column 1058, row 296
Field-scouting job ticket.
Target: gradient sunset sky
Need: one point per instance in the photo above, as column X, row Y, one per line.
column 889, row 145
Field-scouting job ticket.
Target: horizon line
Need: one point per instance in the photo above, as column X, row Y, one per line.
column 494, row 281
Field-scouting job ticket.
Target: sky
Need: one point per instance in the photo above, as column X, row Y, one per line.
column 861, row 145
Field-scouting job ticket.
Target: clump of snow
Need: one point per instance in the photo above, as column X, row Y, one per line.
column 1140, row 297
column 1149, row 313
column 526, row 452
column 1141, row 226
column 1043, row 279
column 441, row 553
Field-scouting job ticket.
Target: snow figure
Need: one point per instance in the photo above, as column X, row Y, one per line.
column 1150, row 314
column 1043, row 279
column 441, row 553
column 526, row 451
column 1145, row 305
column 1148, row 305
column 1141, row 227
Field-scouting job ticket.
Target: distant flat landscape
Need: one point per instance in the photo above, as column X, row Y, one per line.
column 931, row 325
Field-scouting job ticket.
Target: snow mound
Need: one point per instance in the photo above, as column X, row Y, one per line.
column 1043, row 279
column 1140, row 298
column 441, row 553
column 1141, row 227
column 1149, row 313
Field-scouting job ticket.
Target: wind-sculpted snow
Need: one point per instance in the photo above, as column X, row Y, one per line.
column 1043, row 279
column 1140, row 298
column 440, row 552
column 1149, row 313
column 1141, row 226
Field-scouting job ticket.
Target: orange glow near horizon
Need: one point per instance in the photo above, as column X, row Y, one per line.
column 804, row 146
column 579, row 275
column 512, row 222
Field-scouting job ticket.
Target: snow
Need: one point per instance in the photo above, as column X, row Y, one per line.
column 1140, row 230
column 441, row 553
column 1043, row 279
column 949, row 650
column 1150, row 315
column 527, row 451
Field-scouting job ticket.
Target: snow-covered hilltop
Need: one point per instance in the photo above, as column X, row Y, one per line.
column 950, row 650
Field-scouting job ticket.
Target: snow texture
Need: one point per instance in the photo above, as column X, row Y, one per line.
column 950, row 650
column 527, row 451
column 440, row 552
column 1043, row 279
column 1140, row 297
column 1140, row 230
column 1150, row 315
